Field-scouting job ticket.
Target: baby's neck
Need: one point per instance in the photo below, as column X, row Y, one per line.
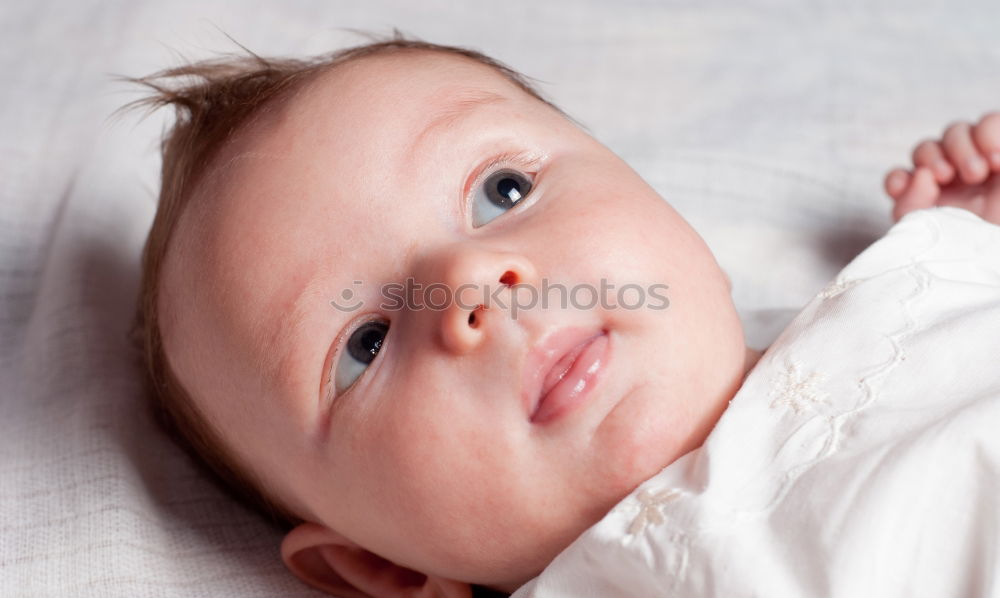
column 753, row 356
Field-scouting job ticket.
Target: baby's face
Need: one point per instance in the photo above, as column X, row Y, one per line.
column 430, row 458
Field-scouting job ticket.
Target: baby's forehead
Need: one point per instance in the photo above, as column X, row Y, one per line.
column 370, row 115
column 378, row 92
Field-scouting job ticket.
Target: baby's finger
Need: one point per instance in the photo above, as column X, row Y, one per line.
column 929, row 153
column 964, row 154
column 922, row 192
column 986, row 134
column 896, row 181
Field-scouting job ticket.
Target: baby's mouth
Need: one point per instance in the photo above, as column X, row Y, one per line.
column 560, row 370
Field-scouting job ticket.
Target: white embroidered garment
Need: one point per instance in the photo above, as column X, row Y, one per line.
column 861, row 457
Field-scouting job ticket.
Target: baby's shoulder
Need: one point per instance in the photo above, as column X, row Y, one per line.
column 947, row 236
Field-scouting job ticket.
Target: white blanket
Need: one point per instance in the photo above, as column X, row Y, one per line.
column 861, row 457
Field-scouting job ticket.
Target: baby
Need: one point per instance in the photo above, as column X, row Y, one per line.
column 449, row 446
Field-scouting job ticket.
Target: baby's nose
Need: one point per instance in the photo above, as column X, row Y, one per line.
column 474, row 288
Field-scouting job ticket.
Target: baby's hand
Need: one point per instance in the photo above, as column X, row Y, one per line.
column 961, row 169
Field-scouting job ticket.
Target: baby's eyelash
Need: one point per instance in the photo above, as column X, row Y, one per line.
column 525, row 159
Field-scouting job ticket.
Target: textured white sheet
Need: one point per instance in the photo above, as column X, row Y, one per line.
column 859, row 458
column 769, row 127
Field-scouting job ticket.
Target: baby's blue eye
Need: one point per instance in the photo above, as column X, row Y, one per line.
column 500, row 192
column 359, row 350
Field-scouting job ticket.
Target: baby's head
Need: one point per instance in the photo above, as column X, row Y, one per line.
column 397, row 441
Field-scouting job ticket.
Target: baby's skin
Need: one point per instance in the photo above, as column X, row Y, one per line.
column 415, row 443
column 962, row 169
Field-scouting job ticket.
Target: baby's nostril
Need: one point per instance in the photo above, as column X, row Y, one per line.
column 472, row 316
column 509, row 278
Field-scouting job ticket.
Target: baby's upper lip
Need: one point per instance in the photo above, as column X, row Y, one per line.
column 543, row 355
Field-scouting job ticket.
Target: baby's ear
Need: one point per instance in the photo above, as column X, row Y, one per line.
column 330, row 562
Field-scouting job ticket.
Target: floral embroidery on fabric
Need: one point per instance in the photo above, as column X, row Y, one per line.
column 649, row 508
column 796, row 390
column 837, row 287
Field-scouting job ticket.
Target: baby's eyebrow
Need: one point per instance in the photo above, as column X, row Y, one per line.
column 274, row 339
column 460, row 107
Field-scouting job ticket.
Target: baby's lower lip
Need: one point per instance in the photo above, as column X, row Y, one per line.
column 575, row 387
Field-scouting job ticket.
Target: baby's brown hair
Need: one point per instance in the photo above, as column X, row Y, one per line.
column 212, row 99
